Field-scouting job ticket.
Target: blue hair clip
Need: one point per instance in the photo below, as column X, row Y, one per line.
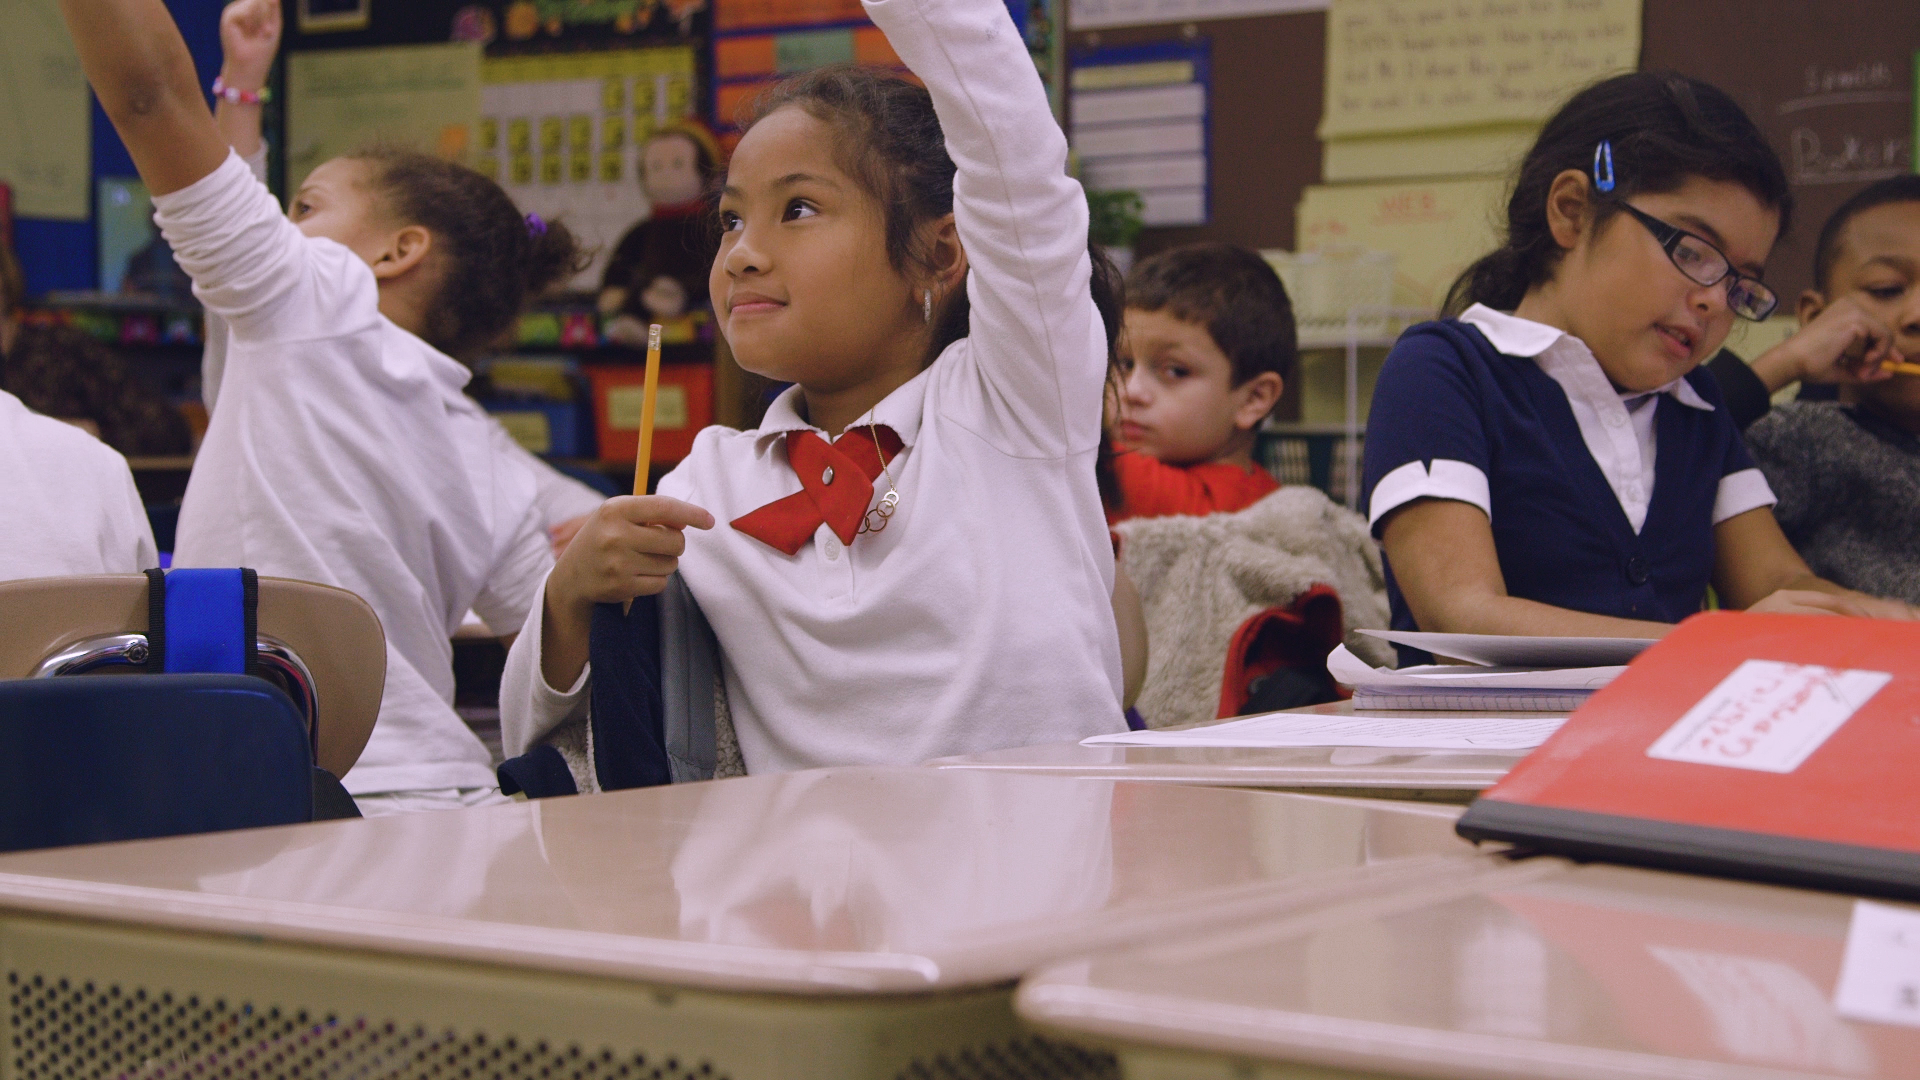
column 536, row 226
column 1603, row 166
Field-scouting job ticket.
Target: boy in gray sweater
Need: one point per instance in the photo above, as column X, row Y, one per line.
column 1848, row 473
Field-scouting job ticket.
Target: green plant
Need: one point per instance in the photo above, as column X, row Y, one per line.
column 1115, row 217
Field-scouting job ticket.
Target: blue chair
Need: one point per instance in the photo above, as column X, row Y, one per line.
column 113, row 757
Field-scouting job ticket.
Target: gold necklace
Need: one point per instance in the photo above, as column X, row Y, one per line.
column 878, row 517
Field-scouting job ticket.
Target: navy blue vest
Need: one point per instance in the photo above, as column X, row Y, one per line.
column 1560, row 533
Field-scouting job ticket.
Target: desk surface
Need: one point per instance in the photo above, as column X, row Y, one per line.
column 1442, row 774
column 1548, row 969
column 844, row 880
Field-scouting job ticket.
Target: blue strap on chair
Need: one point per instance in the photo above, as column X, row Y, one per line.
column 203, row 622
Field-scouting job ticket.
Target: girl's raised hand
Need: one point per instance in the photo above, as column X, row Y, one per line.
column 249, row 37
column 626, row 548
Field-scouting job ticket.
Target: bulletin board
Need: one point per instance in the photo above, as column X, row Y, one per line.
column 562, row 133
column 1830, row 82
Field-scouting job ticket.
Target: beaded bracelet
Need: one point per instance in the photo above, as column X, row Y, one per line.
column 240, row 97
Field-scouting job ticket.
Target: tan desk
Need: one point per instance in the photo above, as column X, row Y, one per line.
column 841, row 923
column 1589, row 972
column 1447, row 776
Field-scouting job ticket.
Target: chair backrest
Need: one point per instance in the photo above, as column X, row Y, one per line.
column 84, row 761
column 100, row 621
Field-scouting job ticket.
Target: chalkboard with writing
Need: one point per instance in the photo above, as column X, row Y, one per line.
column 1831, row 82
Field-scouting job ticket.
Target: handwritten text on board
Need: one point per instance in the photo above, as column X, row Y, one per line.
column 1411, row 65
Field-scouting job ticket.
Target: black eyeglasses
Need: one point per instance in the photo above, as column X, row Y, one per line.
column 1705, row 264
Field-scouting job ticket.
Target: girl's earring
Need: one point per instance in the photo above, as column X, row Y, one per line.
column 926, row 306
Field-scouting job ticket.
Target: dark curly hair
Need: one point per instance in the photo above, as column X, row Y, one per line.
column 1664, row 129
column 494, row 263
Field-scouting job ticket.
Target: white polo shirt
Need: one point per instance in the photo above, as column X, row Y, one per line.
column 67, row 501
column 344, row 452
column 980, row 617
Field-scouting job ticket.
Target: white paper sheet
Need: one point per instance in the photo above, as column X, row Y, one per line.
column 1511, row 651
column 1880, row 973
column 1768, row 716
column 1310, row 729
column 1349, row 670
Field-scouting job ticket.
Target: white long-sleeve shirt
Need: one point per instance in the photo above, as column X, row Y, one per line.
column 561, row 498
column 344, row 452
column 67, row 501
column 980, row 616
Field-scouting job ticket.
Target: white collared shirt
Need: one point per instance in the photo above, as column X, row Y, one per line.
column 1618, row 429
column 981, row 616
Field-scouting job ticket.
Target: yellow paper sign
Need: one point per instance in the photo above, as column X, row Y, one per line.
column 1434, row 230
column 45, row 152
column 423, row 96
column 1420, row 65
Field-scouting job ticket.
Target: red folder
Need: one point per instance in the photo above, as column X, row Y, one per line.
column 1779, row 748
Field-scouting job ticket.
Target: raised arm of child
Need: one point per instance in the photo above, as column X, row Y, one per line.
column 1036, row 343
column 249, row 38
column 140, row 69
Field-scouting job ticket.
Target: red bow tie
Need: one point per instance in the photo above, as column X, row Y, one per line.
column 836, row 484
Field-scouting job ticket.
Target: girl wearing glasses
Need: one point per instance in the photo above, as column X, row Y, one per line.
column 1548, row 461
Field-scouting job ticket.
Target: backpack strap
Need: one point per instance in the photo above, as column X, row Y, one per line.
column 690, row 667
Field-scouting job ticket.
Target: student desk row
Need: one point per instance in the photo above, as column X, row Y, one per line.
column 1548, row 969
column 1447, row 776
column 845, row 923
column 873, row 923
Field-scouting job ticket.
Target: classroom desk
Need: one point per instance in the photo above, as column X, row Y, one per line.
column 1447, row 776
column 1549, row 970
column 839, row 923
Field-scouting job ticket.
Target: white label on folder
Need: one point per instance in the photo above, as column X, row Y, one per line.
column 1768, row 715
column 1880, row 974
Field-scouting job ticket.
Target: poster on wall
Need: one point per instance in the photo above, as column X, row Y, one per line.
column 756, row 42
column 1424, row 65
column 45, row 115
column 425, row 97
column 563, row 134
column 1139, row 123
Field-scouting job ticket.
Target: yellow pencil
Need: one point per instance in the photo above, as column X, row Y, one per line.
column 650, row 395
column 1902, row 369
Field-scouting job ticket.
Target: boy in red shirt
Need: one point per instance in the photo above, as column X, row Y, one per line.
column 1208, row 345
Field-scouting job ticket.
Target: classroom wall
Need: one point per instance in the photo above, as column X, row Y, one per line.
column 63, row 254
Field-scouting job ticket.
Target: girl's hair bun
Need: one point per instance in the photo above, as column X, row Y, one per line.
column 496, row 259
